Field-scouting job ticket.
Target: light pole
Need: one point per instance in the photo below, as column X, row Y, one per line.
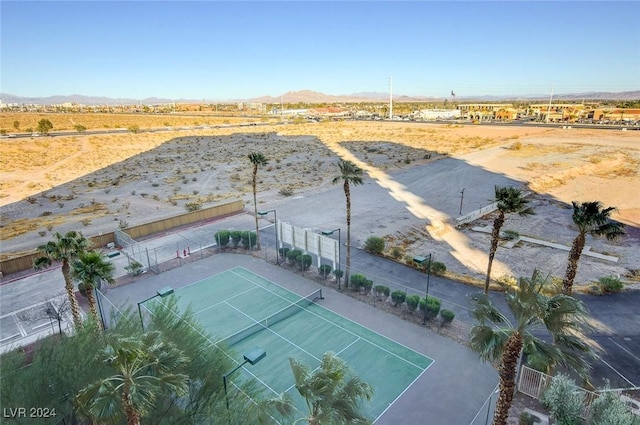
column 167, row 290
column 252, row 357
column 328, row 233
column 420, row 260
column 275, row 226
column 461, row 198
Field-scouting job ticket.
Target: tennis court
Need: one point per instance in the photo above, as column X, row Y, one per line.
column 246, row 310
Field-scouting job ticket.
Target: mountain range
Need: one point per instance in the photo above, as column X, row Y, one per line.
column 309, row 96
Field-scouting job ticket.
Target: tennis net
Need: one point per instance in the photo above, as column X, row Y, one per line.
column 279, row 316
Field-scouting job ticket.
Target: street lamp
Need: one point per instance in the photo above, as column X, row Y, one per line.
column 167, row 290
column 328, row 233
column 252, row 357
column 420, row 261
column 275, row 217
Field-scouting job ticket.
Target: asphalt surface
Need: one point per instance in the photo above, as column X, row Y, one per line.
column 457, row 373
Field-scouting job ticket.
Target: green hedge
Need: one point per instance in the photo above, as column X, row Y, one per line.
column 236, row 237
column 446, row 316
column 292, row 255
column 324, row 270
column 222, row 238
column 304, row 261
column 249, row 239
column 412, row 302
column 432, row 307
column 381, row 290
column 398, row 297
column 358, row 281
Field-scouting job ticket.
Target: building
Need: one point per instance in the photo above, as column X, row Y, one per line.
column 483, row 111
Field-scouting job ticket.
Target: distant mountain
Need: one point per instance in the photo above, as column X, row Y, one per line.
column 309, row 96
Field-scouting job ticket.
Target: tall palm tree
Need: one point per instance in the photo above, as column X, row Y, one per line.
column 65, row 249
column 332, row 394
column 146, row 367
column 509, row 200
column 90, row 268
column 495, row 338
column 350, row 173
column 256, row 159
column 591, row 219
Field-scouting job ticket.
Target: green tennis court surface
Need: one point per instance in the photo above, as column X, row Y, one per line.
column 246, row 310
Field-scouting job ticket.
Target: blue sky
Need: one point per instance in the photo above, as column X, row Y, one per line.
column 218, row 50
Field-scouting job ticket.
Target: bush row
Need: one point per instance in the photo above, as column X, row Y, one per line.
column 236, row 238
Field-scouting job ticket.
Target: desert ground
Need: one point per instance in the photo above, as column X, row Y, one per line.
column 94, row 183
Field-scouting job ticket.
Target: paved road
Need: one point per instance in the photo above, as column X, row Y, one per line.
column 616, row 316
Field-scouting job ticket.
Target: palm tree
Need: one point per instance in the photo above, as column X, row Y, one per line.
column 509, row 200
column 502, row 342
column 90, row 268
column 591, row 219
column 350, row 173
column 331, row 393
column 65, row 249
column 146, row 367
column 256, row 159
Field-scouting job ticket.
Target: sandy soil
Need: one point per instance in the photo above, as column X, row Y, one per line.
column 94, row 183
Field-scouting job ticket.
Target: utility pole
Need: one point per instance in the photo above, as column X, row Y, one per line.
column 549, row 108
column 390, row 98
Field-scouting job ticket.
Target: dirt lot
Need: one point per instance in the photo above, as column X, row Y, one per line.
column 95, row 183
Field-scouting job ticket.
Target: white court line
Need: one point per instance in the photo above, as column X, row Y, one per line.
column 348, row 331
column 337, row 354
column 279, row 336
column 230, row 298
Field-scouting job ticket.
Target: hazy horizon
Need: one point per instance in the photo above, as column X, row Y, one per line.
column 240, row 50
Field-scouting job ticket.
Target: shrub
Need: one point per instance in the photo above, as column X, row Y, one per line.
column 430, row 307
column 526, row 418
column 304, row 261
column 324, row 270
column 292, row 255
column 438, row 268
column 396, row 253
column 80, row 128
column 610, row 284
column 286, row 191
column 398, row 297
column 222, row 237
column 381, row 290
column 446, row 316
column 338, row 273
column 249, row 239
column 563, row 400
column 374, row 245
column 283, row 252
column 135, row 128
column 134, row 268
column 193, row 206
column 412, row 302
column 510, row 235
column 610, row 409
column 236, row 237
column 358, row 281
